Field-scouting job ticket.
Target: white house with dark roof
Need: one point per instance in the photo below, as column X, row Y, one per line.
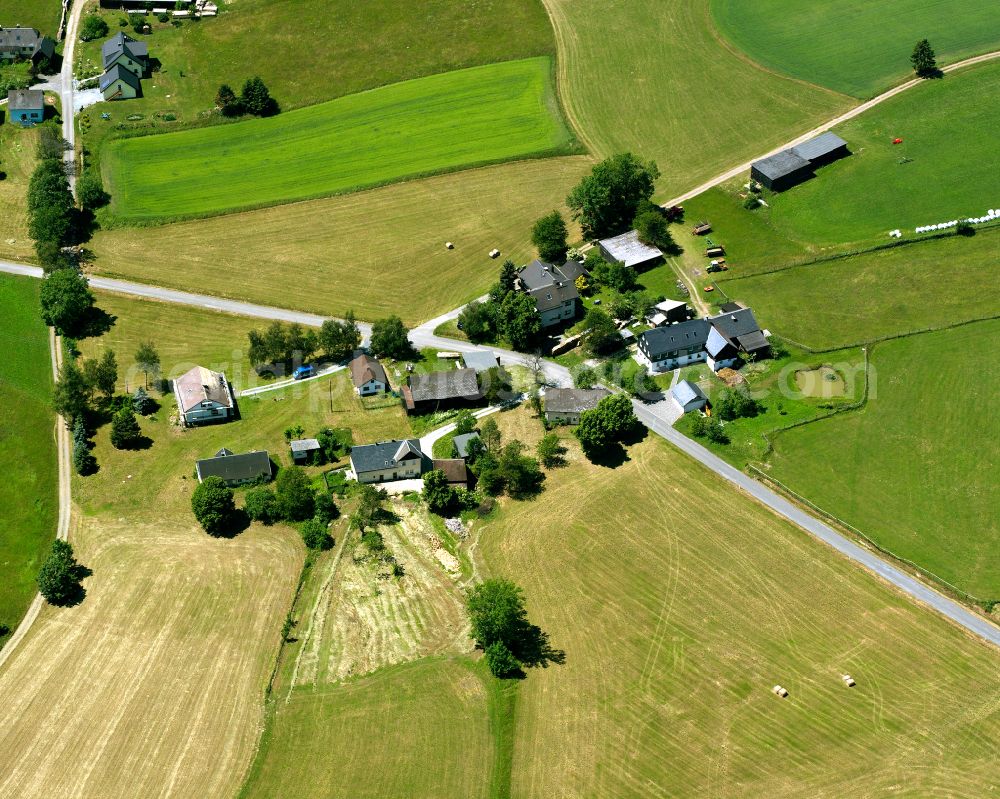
column 388, row 460
column 552, row 289
column 204, row 396
column 368, row 376
column 717, row 340
column 627, row 250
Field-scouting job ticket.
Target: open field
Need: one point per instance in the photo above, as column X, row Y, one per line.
column 852, row 300
column 439, row 123
column 943, row 170
column 41, row 14
column 655, row 78
column 419, row 730
column 17, row 160
column 27, row 443
column 856, row 47
column 327, row 256
column 678, row 612
column 911, row 469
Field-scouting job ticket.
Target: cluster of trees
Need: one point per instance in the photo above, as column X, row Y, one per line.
column 507, row 313
column 288, row 344
column 339, row 339
column 53, row 219
column 390, row 339
column 503, row 468
column 500, row 627
column 255, row 98
column 66, row 301
column 605, row 426
column 924, row 60
column 60, row 575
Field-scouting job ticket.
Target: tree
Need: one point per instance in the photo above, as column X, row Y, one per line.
column 335, row 444
column 465, row 422
column 339, row 339
column 326, row 509
column 256, row 99
column 125, row 431
column 585, row 377
column 521, row 476
column 549, row 237
column 60, row 575
column 300, row 343
column 519, row 321
column 605, row 201
column 52, row 257
column 610, row 421
column 390, row 339
column 93, row 27
column 497, row 613
column 735, row 404
column 651, row 226
column 71, row 396
column 710, row 428
column 439, row 496
column 592, row 434
column 615, row 276
column 315, row 534
column 213, row 505
column 102, row 373
column 370, row 511
column 601, row 334
column 490, row 479
column 582, row 285
column 90, row 191
column 227, row 102
column 66, row 300
column 495, row 385
column 83, row 460
column 923, row 59
column 550, row 451
column 508, row 277
column 501, row 660
column 142, row 403
column 296, row 499
column 261, row 505
column 53, row 221
column 478, row 321
column 148, row 360
column 489, row 434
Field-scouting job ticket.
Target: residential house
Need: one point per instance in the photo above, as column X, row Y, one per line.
column 25, row 44
column 688, row 396
column 388, row 460
column 118, row 83
column 455, row 471
column 627, row 250
column 667, row 312
column 742, row 332
column 796, row 164
column 303, row 449
column 552, row 289
column 480, row 360
column 564, row 405
column 672, row 346
column 204, row 396
column 26, row 106
column 368, row 376
column 124, row 51
column 438, row 390
column 462, row 443
column 236, row 469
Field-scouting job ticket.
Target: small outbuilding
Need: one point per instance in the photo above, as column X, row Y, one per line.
column 455, row 471
column 564, row 405
column 26, row 106
column 480, row 360
column 303, row 449
column 236, row 469
column 454, row 388
column 462, row 443
column 669, row 311
column 626, row 249
column 792, row 166
column 688, row 396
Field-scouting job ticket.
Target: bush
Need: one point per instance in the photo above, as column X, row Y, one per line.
column 90, row 191
column 213, row 505
column 326, row 509
column 142, row 403
column 93, row 27
column 710, row 428
column 550, row 451
column 296, row 499
column 501, row 660
column 585, row 378
column 261, row 505
column 735, row 404
column 751, row 202
column 315, row 535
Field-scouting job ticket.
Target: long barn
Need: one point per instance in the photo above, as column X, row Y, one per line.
column 792, row 166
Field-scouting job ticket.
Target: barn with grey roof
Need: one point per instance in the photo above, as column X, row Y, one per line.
column 796, row 164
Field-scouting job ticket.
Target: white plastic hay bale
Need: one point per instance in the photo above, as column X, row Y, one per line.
column 779, row 691
column 449, row 246
column 848, row 680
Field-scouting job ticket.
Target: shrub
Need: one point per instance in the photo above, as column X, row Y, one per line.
column 296, row 499
column 326, row 509
column 751, row 202
column 314, row 534
column 501, row 660
column 213, row 505
column 261, row 505
column 94, row 27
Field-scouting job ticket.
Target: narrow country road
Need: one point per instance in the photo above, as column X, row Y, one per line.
column 68, row 110
column 736, row 171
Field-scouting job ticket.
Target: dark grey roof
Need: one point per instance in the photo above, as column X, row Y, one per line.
column 547, row 284
column 384, row 454
column 822, row 145
column 450, row 384
column 538, row 274
column 753, row 341
column 480, row 360
column 573, row 400
column 17, row 38
column 248, row 466
column 685, row 391
column 573, row 269
column 304, row 445
column 114, row 74
column 730, row 307
column 462, row 443
column 737, row 323
column 120, row 43
column 25, row 99
column 660, row 340
column 780, row 164
column 548, row 297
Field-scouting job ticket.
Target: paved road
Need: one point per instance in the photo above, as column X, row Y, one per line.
column 326, row 370
column 736, row 171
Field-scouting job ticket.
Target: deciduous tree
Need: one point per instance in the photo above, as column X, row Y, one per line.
column 549, row 236
column 605, row 202
column 213, row 505
column 519, row 321
column 60, row 575
column 390, row 339
column 339, row 339
column 66, row 300
column 296, row 498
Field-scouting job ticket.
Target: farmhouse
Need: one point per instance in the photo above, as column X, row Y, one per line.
column 719, row 340
column 236, row 469
column 455, row 471
column 388, row 460
column 368, row 376
column 25, row 44
column 119, row 84
column 303, row 449
column 124, row 51
column 463, row 444
column 480, row 360
column 436, row 390
column 204, row 396
column 741, row 332
column 688, row 396
column 796, row 164
column 26, row 106
column 552, row 289
column 564, row 405
column 627, row 250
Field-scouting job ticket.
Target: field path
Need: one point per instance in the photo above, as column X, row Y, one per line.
column 729, row 174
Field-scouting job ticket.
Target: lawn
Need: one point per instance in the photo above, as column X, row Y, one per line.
column 435, row 124
column 17, row 160
column 944, row 169
column 327, row 256
column 656, row 79
column 681, row 608
column 912, row 469
column 27, row 443
column 855, row 46
column 833, row 304
column 41, row 14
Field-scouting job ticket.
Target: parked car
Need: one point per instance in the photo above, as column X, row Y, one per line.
column 304, row 371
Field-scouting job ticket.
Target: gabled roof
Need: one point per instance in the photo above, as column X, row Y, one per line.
column 304, row 445
column 822, row 145
column 365, row 369
column 18, row 38
column 628, row 250
column 716, row 343
column 754, row 341
column 730, row 307
column 451, row 384
column 455, row 470
column 480, row 360
column 685, row 391
column 200, row 384
column 669, row 305
column 737, row 323
column 548, row 285
column 118, row 44
column 659, row 340
column 25, row 99
column 538, row 274
column 462, row 443
column 573, row 400
column 248, row 466
column 384, row 454
column 780, row 164
column 549, row 297
column 114, row 74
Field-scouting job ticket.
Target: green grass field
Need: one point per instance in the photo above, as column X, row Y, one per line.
column 41, row 14
column 944, row 169
column 17, row 160
column 655, row 78
column 327, row 255
column 855, row 46
column 912, row 469
column 679, row 604
column 861, row 298
column 27, row 443
column 435, row 124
